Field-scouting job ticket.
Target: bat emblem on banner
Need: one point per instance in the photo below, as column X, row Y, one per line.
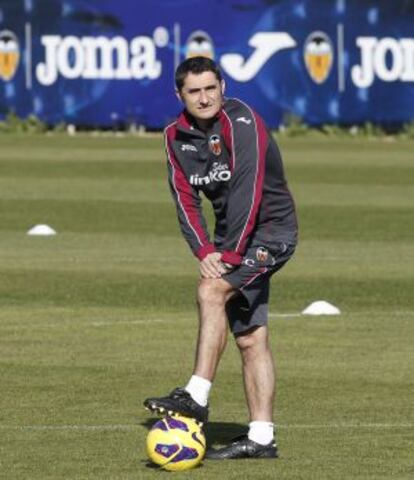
column 318, row 54
column 9, row 55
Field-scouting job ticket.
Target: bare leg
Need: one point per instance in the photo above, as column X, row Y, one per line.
column 212, row 334
column 258, row 373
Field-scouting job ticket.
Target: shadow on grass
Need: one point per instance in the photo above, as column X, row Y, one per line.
column 217, row 433
column 152, row 466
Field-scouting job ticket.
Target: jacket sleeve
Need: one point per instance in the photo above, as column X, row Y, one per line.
column 248, row 140
column 188, row 203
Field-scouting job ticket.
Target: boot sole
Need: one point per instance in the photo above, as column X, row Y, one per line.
column 153, row 407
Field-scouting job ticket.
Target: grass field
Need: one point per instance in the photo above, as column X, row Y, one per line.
column 102, row 315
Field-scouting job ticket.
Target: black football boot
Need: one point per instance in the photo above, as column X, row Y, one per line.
column 179, row 401
column 242, row 447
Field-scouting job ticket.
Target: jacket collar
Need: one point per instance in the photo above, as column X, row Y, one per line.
column 187, row 124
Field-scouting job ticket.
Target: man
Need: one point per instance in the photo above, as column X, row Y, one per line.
column 222, row 148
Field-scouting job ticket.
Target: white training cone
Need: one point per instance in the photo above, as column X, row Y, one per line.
column 41, row 230
column 321, row 308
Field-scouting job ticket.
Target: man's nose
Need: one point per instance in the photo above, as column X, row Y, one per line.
column 203, row 96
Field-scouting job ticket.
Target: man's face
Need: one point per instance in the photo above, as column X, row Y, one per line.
column 202, row 95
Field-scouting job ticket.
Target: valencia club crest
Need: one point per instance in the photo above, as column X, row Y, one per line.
column 9, row 55
column 214, row 144
column 318, row 54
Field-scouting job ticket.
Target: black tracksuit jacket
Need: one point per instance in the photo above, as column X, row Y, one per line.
column 238, row 167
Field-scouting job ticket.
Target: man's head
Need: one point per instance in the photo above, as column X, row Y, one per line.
column 200, row 87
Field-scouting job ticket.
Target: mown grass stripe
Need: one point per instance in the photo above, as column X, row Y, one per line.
column 322, row 222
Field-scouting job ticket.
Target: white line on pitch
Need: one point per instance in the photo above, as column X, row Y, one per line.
column 69, row 427
column 87, row 324
column 396, row 312
column 349, row 425
column 336, row 426
column 140, row 321
column 126, row 322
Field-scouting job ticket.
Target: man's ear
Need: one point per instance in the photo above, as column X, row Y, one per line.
column 178, row 95
column 223, row 86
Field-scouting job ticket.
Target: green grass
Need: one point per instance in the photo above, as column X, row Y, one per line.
column 102, row 315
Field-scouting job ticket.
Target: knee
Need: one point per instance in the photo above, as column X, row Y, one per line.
column 252, row 340
column 245, row 341
column 213, row 292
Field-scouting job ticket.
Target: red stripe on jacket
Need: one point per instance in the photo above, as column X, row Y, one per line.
column 184, row 193
column 261, row 138
column 235, row 256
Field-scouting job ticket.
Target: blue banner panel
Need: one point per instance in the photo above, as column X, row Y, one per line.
column 101, row 62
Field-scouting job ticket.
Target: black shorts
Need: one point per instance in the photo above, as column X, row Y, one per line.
column 250, row 307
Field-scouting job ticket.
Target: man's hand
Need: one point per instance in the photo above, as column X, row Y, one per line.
column 211, row 266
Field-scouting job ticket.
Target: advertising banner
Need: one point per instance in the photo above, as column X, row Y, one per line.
column 105, row 62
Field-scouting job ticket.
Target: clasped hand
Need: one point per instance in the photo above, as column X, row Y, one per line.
column 212, row 267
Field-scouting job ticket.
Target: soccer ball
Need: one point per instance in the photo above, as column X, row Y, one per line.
column 176, row 443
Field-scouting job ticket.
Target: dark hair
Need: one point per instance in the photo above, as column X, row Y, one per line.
column 195, row 65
